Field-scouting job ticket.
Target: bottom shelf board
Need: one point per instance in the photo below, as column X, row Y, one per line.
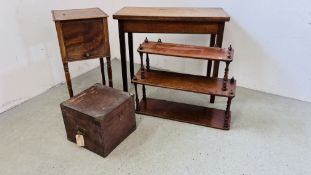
column 198, row 115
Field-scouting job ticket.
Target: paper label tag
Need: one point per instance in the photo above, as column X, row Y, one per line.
column 80, row 140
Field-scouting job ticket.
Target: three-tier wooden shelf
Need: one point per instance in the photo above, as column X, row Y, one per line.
column 199, row 115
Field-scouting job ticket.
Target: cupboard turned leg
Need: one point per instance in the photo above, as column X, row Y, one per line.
column 68, row 79
column 227, row 114
column 102, row 70
column 148, row 62
column 142, row 68
column 109, row 72
column 136, row 96
column 144, row 93
column 224, row 85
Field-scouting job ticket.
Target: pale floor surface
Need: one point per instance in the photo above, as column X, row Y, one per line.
column 269, row 135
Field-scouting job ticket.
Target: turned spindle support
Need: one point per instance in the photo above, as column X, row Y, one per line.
column 68, row 79
column 142, row 68
column 224, row 86
column 102, row 70
column 109, row 70
column 227, row 113
column 148, row 62
column 229, row 56
column 144, row 92
column 136, row 96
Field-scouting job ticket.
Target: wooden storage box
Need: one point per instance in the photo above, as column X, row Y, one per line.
column 103, row 116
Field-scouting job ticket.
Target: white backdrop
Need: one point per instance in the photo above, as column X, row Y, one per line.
column 272, row 40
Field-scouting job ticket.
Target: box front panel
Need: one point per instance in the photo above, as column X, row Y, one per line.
column 84, row 39
column 78, row 123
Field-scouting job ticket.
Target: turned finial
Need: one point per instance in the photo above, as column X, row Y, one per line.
column 140, row 46
column 231, row 92
column 159, row 40
column 230, row 48
column 146, row 40
column 232, row 80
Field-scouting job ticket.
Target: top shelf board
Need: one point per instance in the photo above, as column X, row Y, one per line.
column 172, row 14
column 190, row 51
column 76, row 14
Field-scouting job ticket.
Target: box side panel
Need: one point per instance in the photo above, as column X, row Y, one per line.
column 76, row 122
column 118, row 125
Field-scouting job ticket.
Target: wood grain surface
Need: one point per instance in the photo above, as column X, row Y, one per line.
column 187, row 51
column 186, row 82
column 193, row 114
column 73, row 14
column 172, row 14
column 84, row 39
column 91, row 102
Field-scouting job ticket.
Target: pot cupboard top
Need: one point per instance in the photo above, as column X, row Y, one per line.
column 74, row 14
column 172, row 14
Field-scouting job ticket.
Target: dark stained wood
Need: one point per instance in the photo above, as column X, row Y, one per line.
column 225, row 80
column 131, row 53
column 82, row 34
column 136, row 95
column 186, row 51
column 123, row 55
column 68, row 78
column 228, row 114
column 103, row 115
column 192, row 83
column 172, row 14
column 147, row 62
column 109, row 69
column 84, row 39
column 198, row 115
column 144, row 92
column 210, row 62
column 185, row 27
column 167, row 20
column 142, row 67
column 186, row 82
column 102, row 70
column 106, row 36
column 220, row 33
column 77, row 14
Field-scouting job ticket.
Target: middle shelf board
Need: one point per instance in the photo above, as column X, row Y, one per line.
column 187, row 51
column 186, row 82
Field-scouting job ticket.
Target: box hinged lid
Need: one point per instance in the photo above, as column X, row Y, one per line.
column 97, row 101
